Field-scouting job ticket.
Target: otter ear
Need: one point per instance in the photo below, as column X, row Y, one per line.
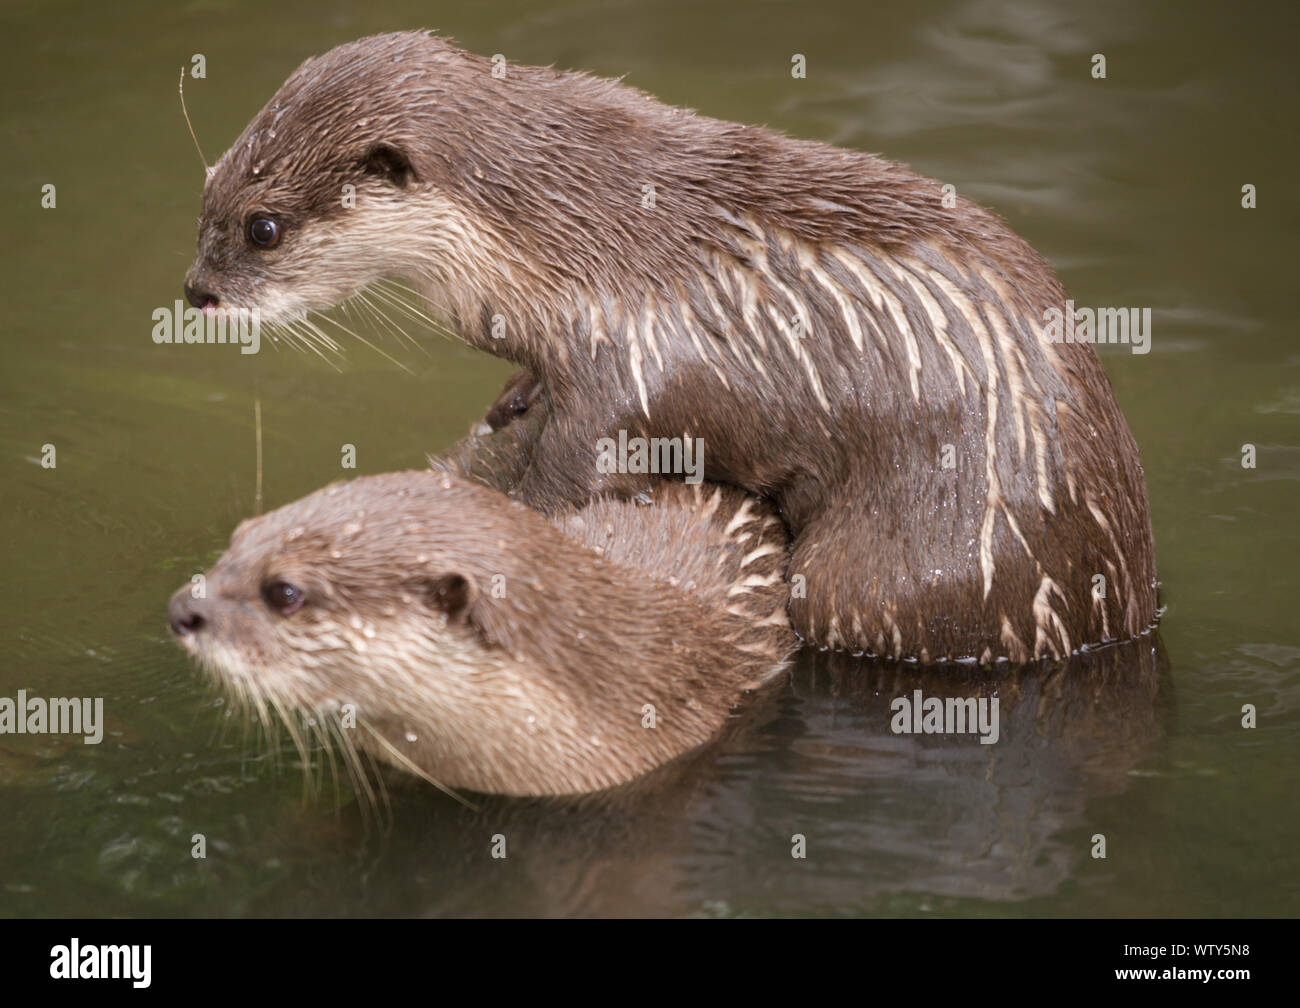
column 387, row 162
column 450, row 594
column 463, row 603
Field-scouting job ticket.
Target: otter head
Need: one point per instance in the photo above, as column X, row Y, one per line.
column 314, row 603
column 367, row 599
column 331, row 186
column 471, row 641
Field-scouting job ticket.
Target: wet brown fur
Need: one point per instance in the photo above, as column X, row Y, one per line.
column 675, row 318
column 488, row 648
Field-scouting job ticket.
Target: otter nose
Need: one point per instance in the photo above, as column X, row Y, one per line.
column 198, row 297
column 187, row 614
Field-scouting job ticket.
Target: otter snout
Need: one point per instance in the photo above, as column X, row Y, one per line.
column 187, row 614
column 198, row 294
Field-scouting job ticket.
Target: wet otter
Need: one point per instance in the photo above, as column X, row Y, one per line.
column 485, row 647
column 839, row 340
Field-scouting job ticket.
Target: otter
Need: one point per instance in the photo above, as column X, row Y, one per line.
column 837, row 334
column 485, row 647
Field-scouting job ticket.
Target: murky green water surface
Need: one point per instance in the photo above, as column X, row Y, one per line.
column 1130, row 186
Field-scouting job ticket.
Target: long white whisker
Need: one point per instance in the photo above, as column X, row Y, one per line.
column 364, row 303
column 361, row 339
column 401, row 758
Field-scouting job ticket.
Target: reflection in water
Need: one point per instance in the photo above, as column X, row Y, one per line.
column 885, row 817
column 944, row 814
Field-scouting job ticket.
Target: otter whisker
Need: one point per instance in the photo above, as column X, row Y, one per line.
column 284, row 331
column 398, row 285
column 383, row 301
column 251, row 706
column 397, row 297
column 401, row 297
column 364, row 300
column 353, row 333
column 255, row 707
column 299, row 334
column 330, row 737
column 207, row 169
column 257, row 424
column 312, row 333
column 299, row 744
column 318, row 725
column 366, row 311
column 401, row 758
column 361, row 777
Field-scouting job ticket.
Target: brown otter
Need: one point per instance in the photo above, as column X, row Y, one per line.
column 836, row 337
column 485, row 647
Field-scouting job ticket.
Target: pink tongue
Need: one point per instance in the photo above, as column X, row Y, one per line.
column 209, row 309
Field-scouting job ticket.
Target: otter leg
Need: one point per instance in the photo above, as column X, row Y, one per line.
column 499, row 457
column 902, row 592
column 565, row 470
column 517, row 398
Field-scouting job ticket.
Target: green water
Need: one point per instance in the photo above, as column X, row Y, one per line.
column 1130, row 186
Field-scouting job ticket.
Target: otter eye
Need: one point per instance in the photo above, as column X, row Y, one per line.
column 283, row 597
column 264, row 231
